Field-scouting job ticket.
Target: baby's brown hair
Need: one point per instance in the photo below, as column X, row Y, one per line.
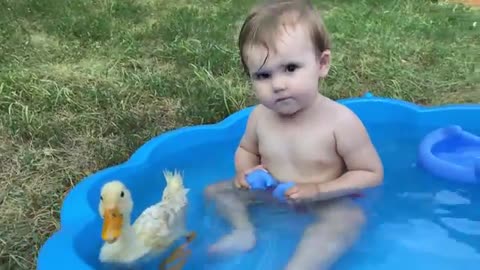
column 264, row 22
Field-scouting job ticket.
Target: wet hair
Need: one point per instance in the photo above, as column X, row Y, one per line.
column 265, row 21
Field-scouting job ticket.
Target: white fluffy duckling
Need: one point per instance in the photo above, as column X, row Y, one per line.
column 153, row 231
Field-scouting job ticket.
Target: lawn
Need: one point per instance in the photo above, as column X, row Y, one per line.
column 84, row 83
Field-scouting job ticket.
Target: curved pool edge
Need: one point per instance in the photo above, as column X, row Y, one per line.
column 75, row 207
column 143, row 152
column 58, row 252
column 75, row 215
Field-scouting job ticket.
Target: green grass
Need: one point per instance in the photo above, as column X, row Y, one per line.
column 84, row 83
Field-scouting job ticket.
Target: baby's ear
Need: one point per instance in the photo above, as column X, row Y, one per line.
column 323, row 63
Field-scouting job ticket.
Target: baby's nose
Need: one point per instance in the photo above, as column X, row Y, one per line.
column 278, row 85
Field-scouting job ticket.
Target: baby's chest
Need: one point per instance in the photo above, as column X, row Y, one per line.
column 303, row 146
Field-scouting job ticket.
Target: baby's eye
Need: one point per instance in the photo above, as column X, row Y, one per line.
column 261, row 76
column 291, row 67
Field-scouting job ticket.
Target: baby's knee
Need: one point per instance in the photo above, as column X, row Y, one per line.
column 345, row 218
column 351, row 219
column 220, row 187
column 357, row 217
column 212, row 190
column 348, row 213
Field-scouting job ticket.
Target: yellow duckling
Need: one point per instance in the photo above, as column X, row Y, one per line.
column 152, row 232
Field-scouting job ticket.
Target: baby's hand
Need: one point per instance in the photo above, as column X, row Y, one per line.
column 279, row 191
column 301, row 191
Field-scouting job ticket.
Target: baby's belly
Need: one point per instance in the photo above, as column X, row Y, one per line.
column 304, row 174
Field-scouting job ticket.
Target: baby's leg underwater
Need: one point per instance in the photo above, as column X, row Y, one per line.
column 337, row 227
column 232, row 203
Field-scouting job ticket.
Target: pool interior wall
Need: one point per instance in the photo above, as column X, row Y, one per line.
column 412, row 200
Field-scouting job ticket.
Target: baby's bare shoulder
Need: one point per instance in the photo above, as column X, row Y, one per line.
column 254, row 122
column 254, row 116
column 258, row 112
column 353, row 142
column 344, row 117
column 351, row 135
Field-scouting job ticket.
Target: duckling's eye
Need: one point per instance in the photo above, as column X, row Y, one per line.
column 122, row 194
column 101, row 198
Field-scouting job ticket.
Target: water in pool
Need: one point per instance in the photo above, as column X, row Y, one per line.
column 415, row 221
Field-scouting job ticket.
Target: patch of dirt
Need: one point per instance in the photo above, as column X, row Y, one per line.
column 472, row 3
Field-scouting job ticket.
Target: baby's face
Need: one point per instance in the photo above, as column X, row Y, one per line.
column 288, row 81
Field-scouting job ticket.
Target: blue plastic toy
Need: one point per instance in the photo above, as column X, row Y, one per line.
column 451, row 153
column 77, row 243
column 261, row 179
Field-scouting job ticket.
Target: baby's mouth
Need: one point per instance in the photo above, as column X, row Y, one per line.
column 282, row 99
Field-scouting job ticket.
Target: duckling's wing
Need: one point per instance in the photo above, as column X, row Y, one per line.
column 159, row 225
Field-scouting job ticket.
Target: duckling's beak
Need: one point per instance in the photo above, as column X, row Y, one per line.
column 112, row 225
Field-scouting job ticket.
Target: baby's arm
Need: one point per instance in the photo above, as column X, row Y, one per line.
column 364, row 167
column 246, row 155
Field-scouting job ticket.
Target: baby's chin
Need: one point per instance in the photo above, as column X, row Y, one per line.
column 282, row 108
column 286, row 110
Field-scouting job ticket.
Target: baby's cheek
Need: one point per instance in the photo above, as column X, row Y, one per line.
column 263, row 94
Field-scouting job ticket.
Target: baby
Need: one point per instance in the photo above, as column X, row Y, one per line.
column 297, row 135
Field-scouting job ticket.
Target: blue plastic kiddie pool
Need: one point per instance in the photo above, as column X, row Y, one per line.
column 415, row 220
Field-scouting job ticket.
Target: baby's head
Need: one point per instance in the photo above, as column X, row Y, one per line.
column 285, row 50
